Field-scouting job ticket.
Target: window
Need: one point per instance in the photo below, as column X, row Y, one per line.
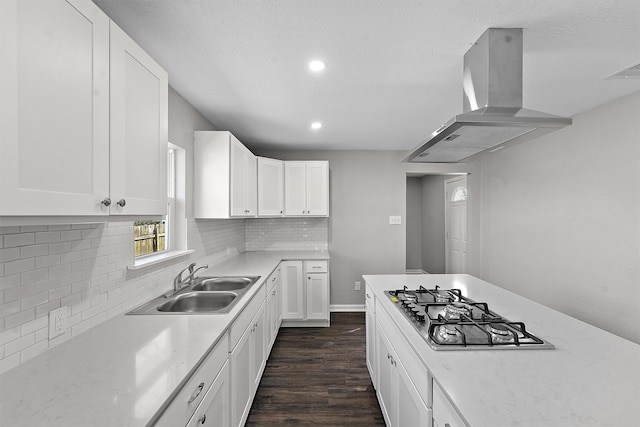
column 459, row 194
column 152, row 237
column 159, row 240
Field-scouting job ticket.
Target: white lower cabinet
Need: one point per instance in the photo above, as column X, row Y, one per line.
column 305, row 293
column 370, row 326
column 214, row 411
column 248, row 359
column 399, row 398
column 273, row 309
column 190, row 397
column 444, row 415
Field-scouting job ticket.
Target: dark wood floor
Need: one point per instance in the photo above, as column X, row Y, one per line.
column 318, row 376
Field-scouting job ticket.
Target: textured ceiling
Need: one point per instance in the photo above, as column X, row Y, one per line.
column 394, row 68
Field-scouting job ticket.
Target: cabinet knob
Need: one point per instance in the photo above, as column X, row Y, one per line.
column 121, row 203
column 106, row 202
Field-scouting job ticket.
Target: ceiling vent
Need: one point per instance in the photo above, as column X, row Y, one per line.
column 628, row 73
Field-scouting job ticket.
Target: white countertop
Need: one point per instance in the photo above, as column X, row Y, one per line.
column 591, row 378
column 120, row 372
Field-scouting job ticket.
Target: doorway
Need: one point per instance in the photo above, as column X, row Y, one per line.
column 456, row 225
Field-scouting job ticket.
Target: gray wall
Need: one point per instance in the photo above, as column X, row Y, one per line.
column 183, row 121
column 433, row 246
column 555, row 219
column 414, row 223
column 560, row 218
column 366, row 187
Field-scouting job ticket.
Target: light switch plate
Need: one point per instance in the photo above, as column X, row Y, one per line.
column 395, row 219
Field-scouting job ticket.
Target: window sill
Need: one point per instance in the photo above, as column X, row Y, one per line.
column 158, row 258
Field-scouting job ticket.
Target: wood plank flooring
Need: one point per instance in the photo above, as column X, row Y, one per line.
column 318, row 376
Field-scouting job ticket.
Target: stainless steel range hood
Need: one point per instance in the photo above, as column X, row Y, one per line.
column 492, row 104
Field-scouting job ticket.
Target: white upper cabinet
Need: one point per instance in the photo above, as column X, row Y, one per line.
column 56, row 84
column 54, row 131
column 270, row 187
column 139, row 129
column 225, row 176
column 306, row 188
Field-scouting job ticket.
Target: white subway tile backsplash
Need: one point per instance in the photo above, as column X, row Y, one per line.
column 83, row 266
column 33, row 251
column 34, row 325
column 22, row 239
column 9, row 254
column 34, row 276
column 48, row 237
column 19, row 266
column 19, row 318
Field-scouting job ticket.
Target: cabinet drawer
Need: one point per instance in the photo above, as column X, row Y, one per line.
column 444, row 414
column 244, row 319
column 316, row 266
column 185, row 403
column 272, row 281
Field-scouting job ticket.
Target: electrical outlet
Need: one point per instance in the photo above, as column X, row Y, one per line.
column 357, row 287
column 57, row 322
column 395, row 220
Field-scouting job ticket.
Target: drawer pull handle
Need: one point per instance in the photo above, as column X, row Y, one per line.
column 203, row 418
column 196, row 393
column 447, row 425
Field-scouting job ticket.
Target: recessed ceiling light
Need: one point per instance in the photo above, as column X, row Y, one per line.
column 316, row 125
column 317, row 66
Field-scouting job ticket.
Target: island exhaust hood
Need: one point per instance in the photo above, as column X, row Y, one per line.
column 492, row 104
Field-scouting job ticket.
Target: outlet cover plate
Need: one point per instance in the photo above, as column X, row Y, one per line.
column 57, row 322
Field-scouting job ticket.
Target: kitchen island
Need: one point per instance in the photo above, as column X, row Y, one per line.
column 590, row 378
column 125, row 371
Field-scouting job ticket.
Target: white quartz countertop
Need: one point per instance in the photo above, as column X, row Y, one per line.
column 591, row 378
column 120, row 372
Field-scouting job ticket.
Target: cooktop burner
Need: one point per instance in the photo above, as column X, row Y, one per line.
column 450, row 321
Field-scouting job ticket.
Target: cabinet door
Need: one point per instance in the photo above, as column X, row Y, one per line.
column 370, row 336
column 241, row 378
column 295, row 189
column 292, row 290
column 387, row 378
column 412, row 411
column 317, row 296
column 214, row 409
column 244, row 180
column 317, row 177
column 251, row 184
column 258, row 349
column 270, row 187
column 54, row 108
column 139, row 139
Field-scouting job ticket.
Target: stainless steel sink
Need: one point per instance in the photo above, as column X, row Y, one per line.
column 207, row 295
column 223, row 283
column 198, row 302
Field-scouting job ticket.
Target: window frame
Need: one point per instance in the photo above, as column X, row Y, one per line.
column 175, row 220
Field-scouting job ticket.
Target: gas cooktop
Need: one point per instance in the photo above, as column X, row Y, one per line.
column 448, row 320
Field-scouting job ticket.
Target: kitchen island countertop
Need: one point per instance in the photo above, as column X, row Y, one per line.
column 120, row 372
column 591, row 378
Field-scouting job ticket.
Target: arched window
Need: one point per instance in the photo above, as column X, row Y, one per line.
column 459, row 194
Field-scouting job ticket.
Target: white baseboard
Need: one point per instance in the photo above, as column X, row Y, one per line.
column 346, row 307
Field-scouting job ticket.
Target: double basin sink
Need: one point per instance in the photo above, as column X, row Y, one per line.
column 206, row 295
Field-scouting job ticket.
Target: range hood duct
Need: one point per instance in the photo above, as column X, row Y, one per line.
column 492, row 104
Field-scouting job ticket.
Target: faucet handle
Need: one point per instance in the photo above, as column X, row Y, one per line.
column 191, row 267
